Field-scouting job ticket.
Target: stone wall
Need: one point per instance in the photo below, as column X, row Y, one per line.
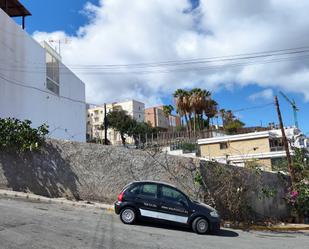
column 97, row 172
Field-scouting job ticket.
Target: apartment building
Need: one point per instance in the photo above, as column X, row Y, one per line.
column 264, row 148
column 95, row 119
column 34, row 83
column 156, row 117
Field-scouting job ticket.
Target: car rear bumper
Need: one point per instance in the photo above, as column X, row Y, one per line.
column 118, row 206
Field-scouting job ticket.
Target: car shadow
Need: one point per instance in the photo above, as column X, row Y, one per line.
column 220, row 233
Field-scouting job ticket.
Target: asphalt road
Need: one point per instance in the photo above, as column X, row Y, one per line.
column 25, row 225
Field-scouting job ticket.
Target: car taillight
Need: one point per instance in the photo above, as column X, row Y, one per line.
column 120, row 196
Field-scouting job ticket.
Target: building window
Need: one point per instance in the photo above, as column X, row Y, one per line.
column 96, row 119
column 301, row 142
column 223, row 146
column 276, row 144
column 52, row 74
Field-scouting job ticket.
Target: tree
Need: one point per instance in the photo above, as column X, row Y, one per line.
column 127, row 126
column 167, row 109
column 19, row 135
column 233, row 126
column 197, row 100
column 140, row 130
column 121, row 122
column 210, row 109
column 222, row 114
column 183, row 105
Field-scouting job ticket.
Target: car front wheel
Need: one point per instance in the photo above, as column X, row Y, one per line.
column 200, row 225
column 128, row 215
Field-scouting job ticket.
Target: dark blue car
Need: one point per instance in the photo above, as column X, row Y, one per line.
column 164, row 202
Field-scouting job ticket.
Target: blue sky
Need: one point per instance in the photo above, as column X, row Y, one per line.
column 52, row 15
column 67, row 16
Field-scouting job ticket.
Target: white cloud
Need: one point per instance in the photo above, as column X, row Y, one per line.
column 266, row 94
column 158, row 30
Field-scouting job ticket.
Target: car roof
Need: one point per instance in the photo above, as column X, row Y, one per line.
column 156, row 182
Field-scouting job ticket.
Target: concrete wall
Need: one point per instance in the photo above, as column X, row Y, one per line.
column 22, row 63
column 97, row 172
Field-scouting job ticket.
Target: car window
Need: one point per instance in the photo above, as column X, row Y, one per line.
column 149, row 190
column 134, row 190
column 172, row 195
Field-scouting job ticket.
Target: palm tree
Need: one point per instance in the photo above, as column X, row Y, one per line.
column 187, row 108
column 201, row 102
column 227, row 116
column 167, row 109
column 223, row 115
column 182, row 105
column 196, row 101
column 205, row 97
column 179, row 103
column 211, row 110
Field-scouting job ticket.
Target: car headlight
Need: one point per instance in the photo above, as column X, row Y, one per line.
column 214, row 214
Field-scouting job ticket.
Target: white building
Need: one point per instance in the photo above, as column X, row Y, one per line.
column 35, row 85
column 95, row 119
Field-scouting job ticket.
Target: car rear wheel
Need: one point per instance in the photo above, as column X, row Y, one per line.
column 200, row 225
column 128, row 215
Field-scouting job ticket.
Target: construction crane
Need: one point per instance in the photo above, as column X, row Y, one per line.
column 294, row 107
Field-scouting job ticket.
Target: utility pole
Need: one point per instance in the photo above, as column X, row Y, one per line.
column 285, row 142
column 105, row 125
column 294, row 107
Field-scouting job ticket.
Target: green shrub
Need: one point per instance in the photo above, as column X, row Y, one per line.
column 19, row 135
column 188, row 147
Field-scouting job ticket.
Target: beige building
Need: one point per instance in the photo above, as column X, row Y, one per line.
column 95, row 119
column 263, row 148
column 156, row 118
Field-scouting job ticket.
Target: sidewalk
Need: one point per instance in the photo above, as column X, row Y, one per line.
column 32, row 197
column 38, row 198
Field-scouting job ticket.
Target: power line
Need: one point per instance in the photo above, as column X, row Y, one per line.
column 253, row 107
column 173, row 63
column 173, row 70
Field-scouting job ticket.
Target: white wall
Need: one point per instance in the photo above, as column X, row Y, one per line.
column 22, row 61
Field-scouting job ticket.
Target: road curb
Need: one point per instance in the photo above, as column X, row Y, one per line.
column 272, row 228
column 63, row 201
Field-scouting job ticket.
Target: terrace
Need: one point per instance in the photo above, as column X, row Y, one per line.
column 14, row 8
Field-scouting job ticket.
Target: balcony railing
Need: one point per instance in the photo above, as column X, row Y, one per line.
column 277, row 148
